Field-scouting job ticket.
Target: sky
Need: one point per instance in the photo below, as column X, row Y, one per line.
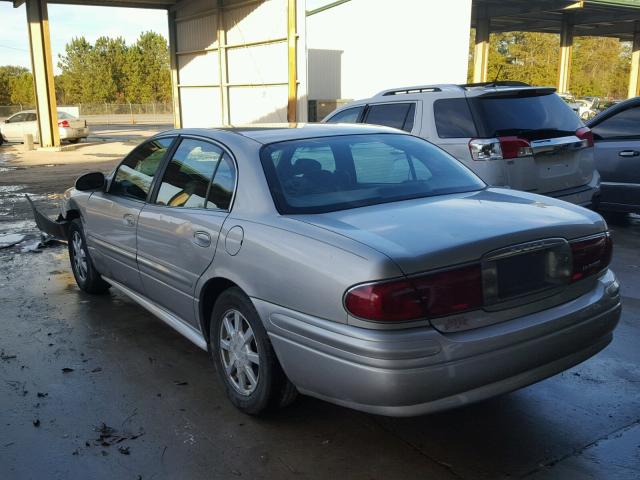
column 68, row 21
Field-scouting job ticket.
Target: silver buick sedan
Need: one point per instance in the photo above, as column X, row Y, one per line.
column 356, row 264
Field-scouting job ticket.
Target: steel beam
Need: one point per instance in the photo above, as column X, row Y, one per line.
column 292, row 39
column 223, row 68
column 481, row 50
column 42, row 66
column 634, row 77
column 566, row 52
column 173, row 60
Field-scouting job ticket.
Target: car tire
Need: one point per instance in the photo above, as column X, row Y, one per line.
column 73, row 140
column 85, row 273
column 237, row 340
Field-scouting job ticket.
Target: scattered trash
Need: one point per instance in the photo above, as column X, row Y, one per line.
column 180, row 383
column 10, row 239
column 6, row 357
column 96, row 370
column 36, row 422
column 67, row 370
column 110, row 436
column 124, row 450
column 42, row 395
column 75, row 452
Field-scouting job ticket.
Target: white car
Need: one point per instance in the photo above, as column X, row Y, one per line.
column 509, row 133
column 18, row 125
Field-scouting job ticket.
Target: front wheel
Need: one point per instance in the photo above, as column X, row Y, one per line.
column 244, row 358
column 86, row 275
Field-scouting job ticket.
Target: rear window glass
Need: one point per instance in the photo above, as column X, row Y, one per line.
column 336, row 173
column 507, row 115
column 453, row 118
column 395, row 115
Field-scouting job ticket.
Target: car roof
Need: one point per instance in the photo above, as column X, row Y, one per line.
column 280, row 132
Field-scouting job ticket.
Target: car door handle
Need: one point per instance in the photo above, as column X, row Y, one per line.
column 629, row 153
column 202, row 239
column 129, row 220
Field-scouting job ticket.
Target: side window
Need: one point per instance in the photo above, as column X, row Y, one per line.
column 20, row 117
column 350, row 115
column 453, row 118
column 186, row 180
column 625, row 124
column 31, row 117
column 134, row 175
column 224, row 181
column 396, row 115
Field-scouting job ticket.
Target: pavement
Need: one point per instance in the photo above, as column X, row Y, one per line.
column 95, row 387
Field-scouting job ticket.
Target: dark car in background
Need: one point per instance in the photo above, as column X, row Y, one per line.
column 616, row 133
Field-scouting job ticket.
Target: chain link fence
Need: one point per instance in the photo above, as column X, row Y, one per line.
column 108, row 113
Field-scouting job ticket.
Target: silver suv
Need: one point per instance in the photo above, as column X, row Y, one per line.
column 509, row 133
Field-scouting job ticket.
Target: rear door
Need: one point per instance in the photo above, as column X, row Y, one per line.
column 112, row 216
column 178, row 230
column 557, row 159
column 617, row 153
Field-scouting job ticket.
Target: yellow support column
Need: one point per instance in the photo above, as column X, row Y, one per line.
column 173, row 60
column 292, row 38
column 481, row 50
column 566, row 52
column 634, row 77
column 42, row 65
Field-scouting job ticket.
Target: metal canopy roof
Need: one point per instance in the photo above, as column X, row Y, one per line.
column 163, row 4
column 604, row 18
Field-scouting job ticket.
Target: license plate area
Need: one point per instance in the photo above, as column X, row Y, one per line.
column 525, row 270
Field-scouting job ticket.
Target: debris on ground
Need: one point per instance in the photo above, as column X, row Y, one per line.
column 9, row 239
column 180, row 383
column 110, row 436
column 96, row 370
column 67, row 370
column 4, row 357
column 42, row 395
column 124, row 450
column 36, row 422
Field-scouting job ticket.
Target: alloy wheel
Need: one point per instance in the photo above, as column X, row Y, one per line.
column 239, row 352
column 79, row 256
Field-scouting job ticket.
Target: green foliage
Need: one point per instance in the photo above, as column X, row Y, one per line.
column 8, row 74
column 22, row 89
column 110, row 71
column 600, row 66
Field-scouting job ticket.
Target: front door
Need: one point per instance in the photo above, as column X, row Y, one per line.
column 13, row 127
column 617, row 153
column 112, row 216
column 178, row 230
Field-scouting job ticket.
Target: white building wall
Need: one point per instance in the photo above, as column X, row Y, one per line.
column 361, row 47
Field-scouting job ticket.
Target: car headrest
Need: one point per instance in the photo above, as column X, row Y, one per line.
column 305, row 166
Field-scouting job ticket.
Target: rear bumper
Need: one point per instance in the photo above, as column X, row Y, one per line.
column 585, row 195
column 419, row 371
column 73, row 133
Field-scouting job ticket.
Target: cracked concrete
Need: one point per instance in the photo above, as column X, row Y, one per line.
column 128, row 371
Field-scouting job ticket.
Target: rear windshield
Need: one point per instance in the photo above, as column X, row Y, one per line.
column 336, row 173
column 545, row 115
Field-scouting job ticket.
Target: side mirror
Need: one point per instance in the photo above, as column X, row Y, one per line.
column 90, row 182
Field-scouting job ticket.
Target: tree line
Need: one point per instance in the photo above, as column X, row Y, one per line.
column 600, row 66
column 107, row 71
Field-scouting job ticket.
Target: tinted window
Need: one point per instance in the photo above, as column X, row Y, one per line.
column 396, row 115
column 350, row 115
column 185, row 182
column 20, row 117
column 363, row 170
column 135, row 173
column 453, row 118
column 525, row 114
column 224, row 181
column 31, row 117
column 625, row 124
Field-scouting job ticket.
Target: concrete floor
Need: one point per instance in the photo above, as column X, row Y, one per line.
column 159, row 392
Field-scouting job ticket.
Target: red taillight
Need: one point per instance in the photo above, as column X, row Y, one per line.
column 586, row 135
column 430, row 295
column 515, row 147
column 394, row 301
column 591, row 256
column 63, row 123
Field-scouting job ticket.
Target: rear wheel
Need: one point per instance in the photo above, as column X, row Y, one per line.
column 73, row 140
column 244, row 358
column 86, row 275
